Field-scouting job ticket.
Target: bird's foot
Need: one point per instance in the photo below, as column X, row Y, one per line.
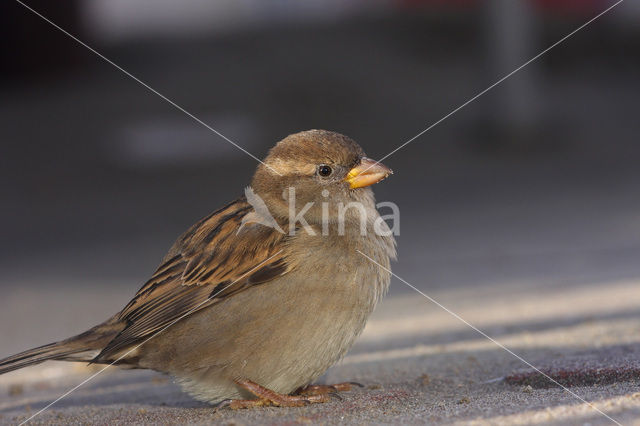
column 327, row 389
column 267, row 397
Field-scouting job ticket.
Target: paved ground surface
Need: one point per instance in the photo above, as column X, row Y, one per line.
column 418, row 363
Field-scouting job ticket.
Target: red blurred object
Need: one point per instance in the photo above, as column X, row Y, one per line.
column 551, row 6
column 439, row 3
column 572, row 6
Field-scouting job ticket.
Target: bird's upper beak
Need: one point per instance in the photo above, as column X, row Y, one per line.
column 367, row 173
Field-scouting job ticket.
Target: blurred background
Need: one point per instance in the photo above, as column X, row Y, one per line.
column 533, row 187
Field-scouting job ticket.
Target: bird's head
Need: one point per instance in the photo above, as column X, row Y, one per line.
column 319, row 167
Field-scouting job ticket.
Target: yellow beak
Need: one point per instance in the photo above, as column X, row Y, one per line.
column 367, row 173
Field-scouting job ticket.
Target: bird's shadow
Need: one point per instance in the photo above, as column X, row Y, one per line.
column 122, row 388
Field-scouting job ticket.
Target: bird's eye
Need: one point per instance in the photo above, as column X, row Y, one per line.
column 324, row 170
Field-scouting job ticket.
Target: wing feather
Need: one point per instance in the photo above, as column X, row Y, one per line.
column 209, row 262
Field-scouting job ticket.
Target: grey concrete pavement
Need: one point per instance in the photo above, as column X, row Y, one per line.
column 418, row 363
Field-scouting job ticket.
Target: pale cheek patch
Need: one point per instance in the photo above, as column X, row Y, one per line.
column 289, row 167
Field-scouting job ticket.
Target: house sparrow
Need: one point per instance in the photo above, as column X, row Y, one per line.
column 247, row 309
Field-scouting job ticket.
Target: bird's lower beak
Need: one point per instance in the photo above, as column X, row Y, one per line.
column 367, row 173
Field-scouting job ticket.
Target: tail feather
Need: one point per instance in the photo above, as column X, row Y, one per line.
column 52, row 351
column 83, row 347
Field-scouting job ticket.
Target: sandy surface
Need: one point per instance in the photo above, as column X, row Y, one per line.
column 418, row 363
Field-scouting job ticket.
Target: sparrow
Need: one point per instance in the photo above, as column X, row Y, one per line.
column 258, row 299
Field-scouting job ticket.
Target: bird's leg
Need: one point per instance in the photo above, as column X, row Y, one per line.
column 268, row 397
column 326, row 389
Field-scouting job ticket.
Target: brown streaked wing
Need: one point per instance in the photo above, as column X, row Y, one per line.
column 212, row 260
